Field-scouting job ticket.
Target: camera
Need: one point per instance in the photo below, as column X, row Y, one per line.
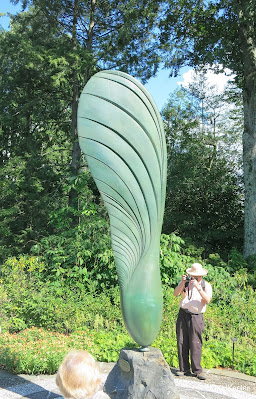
column 188, row 279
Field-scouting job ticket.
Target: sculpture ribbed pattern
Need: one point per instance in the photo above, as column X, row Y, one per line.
column 121, row 134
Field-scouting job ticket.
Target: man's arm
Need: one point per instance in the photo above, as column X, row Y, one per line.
column 180, row 287
column 206, row 298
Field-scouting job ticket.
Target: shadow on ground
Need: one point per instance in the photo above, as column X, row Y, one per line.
column 12, row 386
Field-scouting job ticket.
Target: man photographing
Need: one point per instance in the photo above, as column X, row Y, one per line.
column 196, row 294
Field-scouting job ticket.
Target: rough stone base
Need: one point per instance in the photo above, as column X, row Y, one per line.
column 141, row 375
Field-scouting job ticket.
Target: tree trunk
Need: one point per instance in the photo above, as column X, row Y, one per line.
column 90, row 37
column 76, row 152
column 247, row 35
column 249, row 160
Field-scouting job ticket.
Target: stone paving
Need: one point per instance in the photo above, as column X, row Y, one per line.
column 220, row 384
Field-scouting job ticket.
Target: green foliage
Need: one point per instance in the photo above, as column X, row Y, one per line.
column 42, row 320
column 45, row 60
column 18, row 269
column 172, row 261
column 220, row 354
column 27, row 300
column 237, row 261
column 204, row 193
column 36, row 350
column 80, row 256
column 251, row 262
column 219, row 34
column 197, row 33
column 33, row 133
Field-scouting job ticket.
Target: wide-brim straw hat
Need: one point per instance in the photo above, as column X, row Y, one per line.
column 197, row 270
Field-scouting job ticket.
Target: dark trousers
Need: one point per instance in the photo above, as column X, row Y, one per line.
column 189, row 329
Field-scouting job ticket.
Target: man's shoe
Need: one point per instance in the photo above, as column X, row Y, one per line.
column 201, row 376
column 183, row 373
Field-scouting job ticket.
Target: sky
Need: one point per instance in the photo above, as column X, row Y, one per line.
column 160, row 87
column 7, row 6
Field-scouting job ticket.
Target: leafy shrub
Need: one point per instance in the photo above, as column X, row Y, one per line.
column 82, row 316
column 21, row 268
column 58, row 309
column 172, row 260
column 37, row 351
column 80, row 256
column 222, row 353
column 236, row 261
column 222, row 283
column 251, row 266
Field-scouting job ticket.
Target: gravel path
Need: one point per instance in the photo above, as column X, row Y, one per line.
column 220, row 384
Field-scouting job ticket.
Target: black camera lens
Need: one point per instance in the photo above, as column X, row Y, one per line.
column 188, row 279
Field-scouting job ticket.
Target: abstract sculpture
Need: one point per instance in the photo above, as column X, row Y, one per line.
column 121, row 133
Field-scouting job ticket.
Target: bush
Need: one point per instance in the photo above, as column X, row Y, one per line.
column 37, row 351
column 37, row 312
column 172, row 260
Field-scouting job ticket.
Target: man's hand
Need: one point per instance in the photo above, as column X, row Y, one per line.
column 178, row 290
column 203, row 294
column 197, row 285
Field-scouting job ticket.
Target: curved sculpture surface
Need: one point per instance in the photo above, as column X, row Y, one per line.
column 121, row 133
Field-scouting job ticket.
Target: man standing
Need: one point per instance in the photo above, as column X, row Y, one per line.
column 196, row 294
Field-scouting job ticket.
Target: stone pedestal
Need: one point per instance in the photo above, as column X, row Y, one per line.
column 141, row 375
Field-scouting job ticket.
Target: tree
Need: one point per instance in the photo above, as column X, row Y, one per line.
column 204, row 192
column 222, row 33
column 103, row 35
column 221, row 115
column 33, row 132
column 47, row 56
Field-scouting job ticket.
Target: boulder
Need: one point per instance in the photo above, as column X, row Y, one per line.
column 141, row 375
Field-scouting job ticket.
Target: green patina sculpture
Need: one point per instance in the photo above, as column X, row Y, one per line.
column 121, row 134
